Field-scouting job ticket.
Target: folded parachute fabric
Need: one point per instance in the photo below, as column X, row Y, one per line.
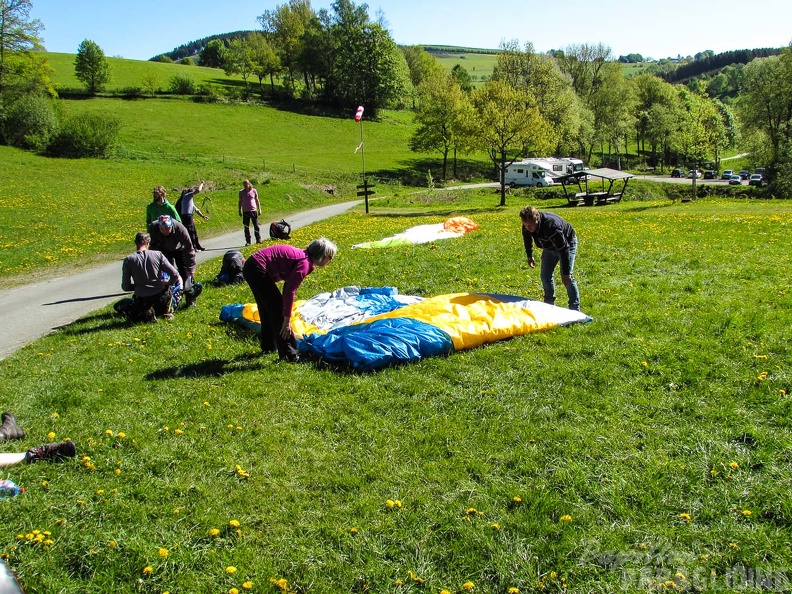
column 376, row 327
column 437, row 325
column 453, row 227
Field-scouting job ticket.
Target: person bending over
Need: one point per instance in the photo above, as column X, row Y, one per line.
column 559, row 243
column 289, row 264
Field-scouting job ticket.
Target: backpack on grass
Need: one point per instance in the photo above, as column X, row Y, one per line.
column 280, row 230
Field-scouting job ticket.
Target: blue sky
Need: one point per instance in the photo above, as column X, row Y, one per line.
column 141, row 29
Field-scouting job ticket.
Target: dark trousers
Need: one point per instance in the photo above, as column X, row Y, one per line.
column 146, row 308
column 270, row 307
column 188, row 221
column 247, row 218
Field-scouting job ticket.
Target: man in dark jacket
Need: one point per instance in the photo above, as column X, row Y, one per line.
column 172, row 239
column 558, row 242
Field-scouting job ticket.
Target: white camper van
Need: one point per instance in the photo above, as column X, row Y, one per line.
column 528, row 173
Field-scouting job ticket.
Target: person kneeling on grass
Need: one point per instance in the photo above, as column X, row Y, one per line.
column 151, row 276
column 291, row 265
column 10, row 430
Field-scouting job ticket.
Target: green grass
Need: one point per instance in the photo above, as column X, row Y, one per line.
column 478, row 65
column 132, row 73
column 674, row 401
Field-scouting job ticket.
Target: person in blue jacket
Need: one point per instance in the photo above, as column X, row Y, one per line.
column 558, row 242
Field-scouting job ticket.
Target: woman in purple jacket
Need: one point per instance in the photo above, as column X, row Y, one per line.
column 289, row 264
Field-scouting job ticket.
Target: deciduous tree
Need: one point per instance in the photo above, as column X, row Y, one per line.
column 91, row 66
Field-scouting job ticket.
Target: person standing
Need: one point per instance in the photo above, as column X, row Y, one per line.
column 173, row 240
column 151, row 276
column 558, row 242
column 249, row 210
column 160, row 206
column 188, row 210
column 289, row 264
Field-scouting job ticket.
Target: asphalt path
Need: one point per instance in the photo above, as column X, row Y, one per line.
column 32, row 311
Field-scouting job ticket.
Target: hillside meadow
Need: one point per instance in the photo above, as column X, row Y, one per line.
column 645, row 451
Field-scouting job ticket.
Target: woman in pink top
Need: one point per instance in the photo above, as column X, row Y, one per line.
column 249, row 210
column 291, row 265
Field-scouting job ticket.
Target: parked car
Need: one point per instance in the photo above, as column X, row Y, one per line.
column 678, row 172
column 710, row 174
column 694, row 173
column 727, row 174
column 756, row 180
column 735, row 180
column 745, row 174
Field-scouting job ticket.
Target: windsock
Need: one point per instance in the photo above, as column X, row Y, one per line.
column 359, row 113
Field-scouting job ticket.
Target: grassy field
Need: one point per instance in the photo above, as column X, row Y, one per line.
column 79, row 212
column 133, row 73
column 645, row 451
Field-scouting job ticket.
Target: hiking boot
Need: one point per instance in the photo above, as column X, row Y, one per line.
column 51, row 451
column 9, row 429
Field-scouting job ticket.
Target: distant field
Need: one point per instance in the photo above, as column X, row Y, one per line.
column 132, row 73
column 478, row 65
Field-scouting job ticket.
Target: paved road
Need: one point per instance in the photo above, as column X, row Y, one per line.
column 31, row 311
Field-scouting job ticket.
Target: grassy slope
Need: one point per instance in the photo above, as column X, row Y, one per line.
column 674, row 401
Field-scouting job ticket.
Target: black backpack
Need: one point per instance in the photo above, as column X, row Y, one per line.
column 280, row 230
column 178, row 204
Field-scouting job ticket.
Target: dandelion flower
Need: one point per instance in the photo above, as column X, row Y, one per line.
column 214, row 532
column 234, row 523
column 734, row 465
column 178, row 432
column 685, row 517
column 109, row 432
column 468, row 585
column 147, row 570
column 117, row 471
column 746, row 512
column 121, row 435
column 516, row 499
column 444, row 592
column 566, row 518
column 514, row 590
column 495, row 526
column 390, row 503
column 247, row 585
column 233, row 591
column 51, row 435
column 353, row 530
column 472, row 511
column 231, row 569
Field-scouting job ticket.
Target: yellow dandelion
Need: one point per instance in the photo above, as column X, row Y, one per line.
column 514, row 590
column 233, row 591
column 444, row 592
column 112, row 544
column 247, row 585
column 734, row 465
column 109, row 432
column 234, row 523
column 746, row 512
column 566, row 518
column 163, row 552
column 121, row 435
column 644, row 363
column 117, row 471
column 398, row 583
column 214, row 532
column 733, row 545
column 205, row 403
column 471, row 511
column 390, row 503
column 231, row 569
column 178, row 432
column 353, row 530
column 685, row 517
column 495, row 526
column 468, row 585
column 516, row 499
column 55, row 415
column 45, row 484
column 51, row 435
column 99, row 491
column 147, row 570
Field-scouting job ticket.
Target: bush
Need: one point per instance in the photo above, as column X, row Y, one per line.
column 208, row 93
column 85, row 135
column 187, row 61
column 182, row 84
column 30, row 122
column 130, row 93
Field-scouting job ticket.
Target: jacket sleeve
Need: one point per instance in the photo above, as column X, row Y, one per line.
column 126, row 278
column 290, row 286
column 527, row 242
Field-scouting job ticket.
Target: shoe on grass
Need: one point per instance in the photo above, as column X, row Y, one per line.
column 9, row 429
column 51, row 451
